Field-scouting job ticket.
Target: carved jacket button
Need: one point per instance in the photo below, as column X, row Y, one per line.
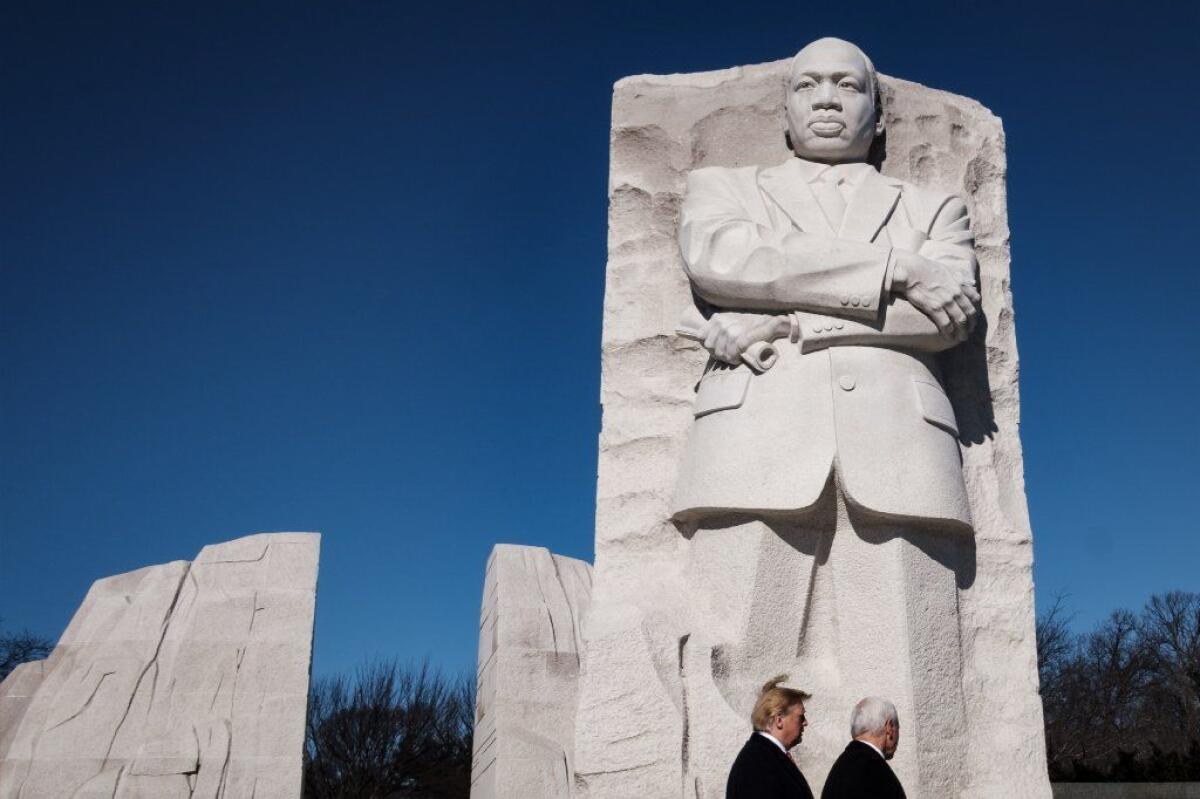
column 846, row 382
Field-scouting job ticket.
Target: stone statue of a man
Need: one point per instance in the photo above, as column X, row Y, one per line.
column 841, row 457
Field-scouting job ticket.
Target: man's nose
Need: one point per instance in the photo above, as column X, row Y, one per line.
column 825, row 96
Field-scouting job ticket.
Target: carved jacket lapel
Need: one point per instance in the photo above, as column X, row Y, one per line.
column 870, row 208
column 787, row 185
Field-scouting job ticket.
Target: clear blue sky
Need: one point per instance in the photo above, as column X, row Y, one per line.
column 286, row 266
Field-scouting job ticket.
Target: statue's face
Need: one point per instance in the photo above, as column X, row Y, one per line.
column 830, row 106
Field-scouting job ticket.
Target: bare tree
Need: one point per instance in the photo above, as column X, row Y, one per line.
column 1170, row 628
column 1123, row 701
column 22, row 647
column 1116, row 674
column 1055, row 646
column 1054, row 640
column 391, row 731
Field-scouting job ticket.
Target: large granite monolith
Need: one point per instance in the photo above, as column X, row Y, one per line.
column 530, row 637
column 180, row 680
column 881, row 571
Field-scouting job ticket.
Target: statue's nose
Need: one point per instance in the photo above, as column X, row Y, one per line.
column 825, row 97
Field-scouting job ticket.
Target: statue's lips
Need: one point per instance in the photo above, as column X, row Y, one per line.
column 826, row 127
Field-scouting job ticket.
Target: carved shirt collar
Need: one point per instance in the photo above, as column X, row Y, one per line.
column 851, row 174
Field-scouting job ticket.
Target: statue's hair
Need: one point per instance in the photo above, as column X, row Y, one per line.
column 773, row 700
column 872, row 76
column 870, row 715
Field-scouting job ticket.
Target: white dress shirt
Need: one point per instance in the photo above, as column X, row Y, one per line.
column 873, row 746
column 775, row 740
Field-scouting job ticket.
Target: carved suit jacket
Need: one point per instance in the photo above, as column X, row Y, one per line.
column 861, row 393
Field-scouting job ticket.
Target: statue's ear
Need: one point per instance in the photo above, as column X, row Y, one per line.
column 787, row 138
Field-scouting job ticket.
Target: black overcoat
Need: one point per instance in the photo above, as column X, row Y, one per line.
column 861, row 773
column 763, row 771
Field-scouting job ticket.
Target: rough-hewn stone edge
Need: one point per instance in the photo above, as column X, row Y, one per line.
column 16, row 692
column 544, row 597
column 714, row 78
column 33, row 674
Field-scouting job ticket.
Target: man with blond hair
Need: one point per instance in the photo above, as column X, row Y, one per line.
column 861, row 771
column 764, row 769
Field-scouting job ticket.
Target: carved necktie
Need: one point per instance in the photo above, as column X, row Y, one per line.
column 829, row 195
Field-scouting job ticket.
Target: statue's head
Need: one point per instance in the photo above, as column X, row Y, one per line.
column 833, row 108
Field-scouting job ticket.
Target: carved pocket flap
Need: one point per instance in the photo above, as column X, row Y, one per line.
column 720, row 391
column 935, row 405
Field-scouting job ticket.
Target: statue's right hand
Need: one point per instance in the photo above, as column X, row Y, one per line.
column 728, row 335
column 936, row 290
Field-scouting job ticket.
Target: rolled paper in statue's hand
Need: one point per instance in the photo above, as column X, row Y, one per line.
column 759, row 356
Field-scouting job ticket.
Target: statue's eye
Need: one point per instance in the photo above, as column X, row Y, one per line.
column 804, row 85
column 848, row 85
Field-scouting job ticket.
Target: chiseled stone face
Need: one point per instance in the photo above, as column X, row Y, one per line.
column 179, row 680
column 831, row 110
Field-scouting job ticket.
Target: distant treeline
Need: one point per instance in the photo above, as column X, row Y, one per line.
column 390, row 731
column 1122, row 702
column 21, row 647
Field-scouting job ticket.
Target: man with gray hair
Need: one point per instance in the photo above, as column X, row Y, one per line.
column 861, row 771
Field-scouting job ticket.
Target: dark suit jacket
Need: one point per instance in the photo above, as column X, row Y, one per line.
column 861, row 773
column 763, row 771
